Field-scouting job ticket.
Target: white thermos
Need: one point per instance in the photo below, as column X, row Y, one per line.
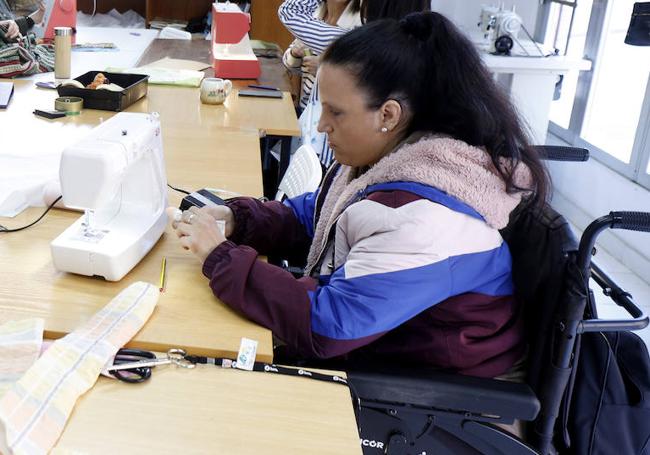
column 62, row 49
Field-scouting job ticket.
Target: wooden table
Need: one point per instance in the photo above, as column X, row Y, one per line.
column 212, row 410
column 275, row 118
column 188, row 315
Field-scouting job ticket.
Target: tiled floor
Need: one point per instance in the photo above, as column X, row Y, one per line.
column 627, row 280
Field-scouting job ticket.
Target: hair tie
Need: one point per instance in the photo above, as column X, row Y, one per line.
column 417, row 25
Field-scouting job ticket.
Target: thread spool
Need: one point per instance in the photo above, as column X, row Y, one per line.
column 71, row 105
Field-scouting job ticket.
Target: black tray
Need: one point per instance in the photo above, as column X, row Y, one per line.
column 135, row 87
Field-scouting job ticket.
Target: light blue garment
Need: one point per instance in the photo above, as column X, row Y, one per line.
column 309, row 128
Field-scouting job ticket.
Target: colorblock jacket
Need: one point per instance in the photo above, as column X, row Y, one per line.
column 405, row 263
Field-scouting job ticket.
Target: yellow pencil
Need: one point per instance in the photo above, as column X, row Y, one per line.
column 163, row 274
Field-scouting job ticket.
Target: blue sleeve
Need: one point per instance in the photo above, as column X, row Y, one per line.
column 303, row 207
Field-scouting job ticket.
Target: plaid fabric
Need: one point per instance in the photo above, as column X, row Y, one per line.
column 20, row 345
column 34, row 411
column 25, row 58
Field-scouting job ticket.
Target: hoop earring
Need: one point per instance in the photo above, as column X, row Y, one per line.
column 384, row 129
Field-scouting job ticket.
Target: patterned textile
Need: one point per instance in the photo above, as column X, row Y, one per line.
column 20, row 345
column 25, row 57
column 34, row 411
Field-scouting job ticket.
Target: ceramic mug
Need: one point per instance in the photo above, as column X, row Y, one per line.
column 215, row 90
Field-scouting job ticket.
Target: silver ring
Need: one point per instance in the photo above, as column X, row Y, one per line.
column 190, row 218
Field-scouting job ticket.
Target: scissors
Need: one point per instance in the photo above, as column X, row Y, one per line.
column 134, row 365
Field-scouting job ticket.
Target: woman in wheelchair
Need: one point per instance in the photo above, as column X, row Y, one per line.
column 405, row 264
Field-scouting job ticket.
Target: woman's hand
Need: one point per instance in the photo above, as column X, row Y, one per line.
column 224, row 213
column 198, row 229
column 310, row 64
column 12, row 30
column 297, row 50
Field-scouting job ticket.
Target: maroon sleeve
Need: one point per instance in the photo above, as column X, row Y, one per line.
column 273, row 298
column 270, row 227
column 266, row 294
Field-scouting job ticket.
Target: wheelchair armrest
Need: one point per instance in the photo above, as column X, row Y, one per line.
column 425, row 389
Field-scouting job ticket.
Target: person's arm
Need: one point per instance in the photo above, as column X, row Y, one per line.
column 37, row 16
column 291, row 61
column 398, row 265
column 298, row 17
column 320, row 321
column 275, row 228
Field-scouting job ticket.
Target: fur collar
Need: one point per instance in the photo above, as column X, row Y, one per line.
column 461, row 170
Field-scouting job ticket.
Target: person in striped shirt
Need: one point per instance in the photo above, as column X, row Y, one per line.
column 299, row 59
column 301, row 19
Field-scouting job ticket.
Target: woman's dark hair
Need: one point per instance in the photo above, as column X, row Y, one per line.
column 427, row 64
column 372, row 10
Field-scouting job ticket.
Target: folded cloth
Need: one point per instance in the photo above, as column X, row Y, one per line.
column 33, row 412
column 165, row 76
column 20, row 345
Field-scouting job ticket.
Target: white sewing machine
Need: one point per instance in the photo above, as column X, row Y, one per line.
column 117, row 175
column 495, row 23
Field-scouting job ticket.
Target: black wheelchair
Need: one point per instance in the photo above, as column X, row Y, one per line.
column 424, row 412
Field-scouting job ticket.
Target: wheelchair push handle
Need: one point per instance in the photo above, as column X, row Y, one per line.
column 632, row 221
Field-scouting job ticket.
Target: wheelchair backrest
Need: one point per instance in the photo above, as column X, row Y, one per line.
column 543, row 250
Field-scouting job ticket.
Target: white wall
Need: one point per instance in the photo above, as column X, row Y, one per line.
column 465, row 13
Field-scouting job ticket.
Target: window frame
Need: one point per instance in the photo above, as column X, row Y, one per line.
column 635, row 170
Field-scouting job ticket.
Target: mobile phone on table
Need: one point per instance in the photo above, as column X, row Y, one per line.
column 263, row 87
column 261, row 93
column 48, row 113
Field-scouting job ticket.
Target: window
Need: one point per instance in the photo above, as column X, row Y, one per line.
column 608, row 108
column 567, row 31
column 618, row 86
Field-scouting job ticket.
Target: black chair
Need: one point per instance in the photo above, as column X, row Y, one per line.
column 423, row 412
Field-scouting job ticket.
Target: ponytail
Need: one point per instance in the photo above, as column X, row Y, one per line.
column 424, row 62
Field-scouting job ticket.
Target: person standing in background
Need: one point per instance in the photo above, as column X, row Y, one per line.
column 299, row 17
column 299, row 59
